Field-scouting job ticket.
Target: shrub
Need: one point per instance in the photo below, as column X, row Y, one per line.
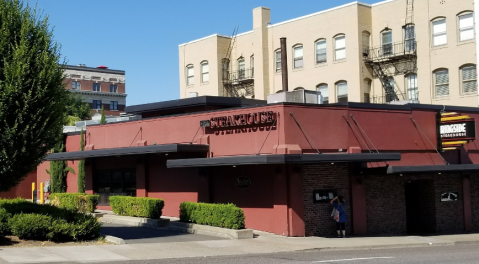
column 31, row 226
column 219, row 215
column 137, row 206
column 84, row 203
column 4, row 216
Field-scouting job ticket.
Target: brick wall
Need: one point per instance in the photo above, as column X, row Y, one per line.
column 385, row 204
column 317, row 216
column 475, row 202
column 449, row 215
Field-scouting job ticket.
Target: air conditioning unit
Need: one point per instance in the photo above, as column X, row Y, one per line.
column 298, row 96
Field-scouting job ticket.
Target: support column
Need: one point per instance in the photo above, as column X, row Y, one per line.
column 280, row 203
column 295, row 201
column 358, row 204
column 466, row 194
column 203, row 186
column 89, row 176
column 141, row 177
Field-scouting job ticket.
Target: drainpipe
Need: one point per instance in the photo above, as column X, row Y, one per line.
column 284, row 64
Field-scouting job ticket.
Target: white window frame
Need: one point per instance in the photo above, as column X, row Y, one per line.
column 339, row 49
column 339, row 96
column 321, row 54
column 251, row 63
column 298, row 54
column 241, row 69
column 277, row 59
column 410, row 41
column 411, row 88
column 444, row 85
column 387, row 47
column 465, row 28
column 472, row 80
column 324, row 90
column 437, row 35
column 190, row 79
column 205, row 74
column 366, row 37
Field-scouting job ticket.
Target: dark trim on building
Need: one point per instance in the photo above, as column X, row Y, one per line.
column 92, row 69
column 194, row 101
column 433, row 168
column 167, row 148
column 74, row 133
column 281, row 159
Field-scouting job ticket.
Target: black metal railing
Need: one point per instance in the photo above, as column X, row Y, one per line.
column 238, row 76
column 392, row 98
column 390, row 50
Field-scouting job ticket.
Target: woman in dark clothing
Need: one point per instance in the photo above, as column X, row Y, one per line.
column 338, row 203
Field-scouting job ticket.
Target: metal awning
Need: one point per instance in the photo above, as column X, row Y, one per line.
column 281, row 159
column 433, row 168
column 167, row 148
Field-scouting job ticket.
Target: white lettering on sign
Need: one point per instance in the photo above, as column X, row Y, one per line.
column 454, row 128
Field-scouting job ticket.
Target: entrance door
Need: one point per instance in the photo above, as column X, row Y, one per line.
column 114, row 182
column 420, row 206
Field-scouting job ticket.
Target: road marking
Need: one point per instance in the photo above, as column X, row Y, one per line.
column 339, row 260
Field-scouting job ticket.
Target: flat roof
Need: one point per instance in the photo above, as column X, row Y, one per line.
column 433, row 168
column 166, row 148
column 93, row 69
column 281, row 159
column 194, row 101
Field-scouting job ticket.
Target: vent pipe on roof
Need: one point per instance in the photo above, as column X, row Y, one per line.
column 81, row 65
column 284, row 64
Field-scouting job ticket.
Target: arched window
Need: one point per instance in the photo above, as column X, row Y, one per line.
column 439, row 32
column 323, row 89
column 468, row 79
column 342, row 91
column 411, row 88
column 441, row 82
column 409, row 38
column 298, row 88
column 340, row 47
column 298, row 56
column 205, row 72
column 190, row 75
column 320, row 51
column 277, row 58
column 241, row 68
column 466, row 26
column 387, row 41
column 365, row 41
column 251, row 65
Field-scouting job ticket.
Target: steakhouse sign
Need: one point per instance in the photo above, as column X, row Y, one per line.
column 458, row 130
column 243, row 119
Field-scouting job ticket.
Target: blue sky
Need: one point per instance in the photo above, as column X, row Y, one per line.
column 142, row 36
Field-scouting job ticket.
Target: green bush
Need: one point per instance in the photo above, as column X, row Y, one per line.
column 4, row 216
column 46, row 222
column 84, row 203
column 219, row 215
column 137, row 206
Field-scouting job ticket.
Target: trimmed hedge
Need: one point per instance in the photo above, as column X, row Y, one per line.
column 45, row 222
column 137, row 206
column 84, row 203
column 219, row 215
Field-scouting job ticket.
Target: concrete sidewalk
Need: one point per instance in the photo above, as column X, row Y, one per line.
column 262, row 243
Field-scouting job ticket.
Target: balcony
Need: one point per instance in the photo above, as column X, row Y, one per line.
column 397, row 98
column 391, row 51
column 242, row 76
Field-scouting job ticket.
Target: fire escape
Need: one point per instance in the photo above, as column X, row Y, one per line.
column 392, row 59
column 239, row 83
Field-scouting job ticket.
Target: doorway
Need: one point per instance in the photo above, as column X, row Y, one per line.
column 114, row 182
column 420, row 206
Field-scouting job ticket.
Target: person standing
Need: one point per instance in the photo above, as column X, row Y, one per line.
column 338, row 203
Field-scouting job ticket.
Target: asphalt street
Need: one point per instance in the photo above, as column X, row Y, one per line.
column 465, row 254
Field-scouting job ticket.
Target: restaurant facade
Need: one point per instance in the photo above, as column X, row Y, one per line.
column 402, row 169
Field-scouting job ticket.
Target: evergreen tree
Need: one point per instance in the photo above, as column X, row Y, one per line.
column 59, row 171
column 102, row 120
column 81, row 167
column 32, row 94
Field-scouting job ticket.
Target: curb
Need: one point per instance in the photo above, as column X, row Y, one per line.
column 114, row 240
column 133, row 221
column 210, row 230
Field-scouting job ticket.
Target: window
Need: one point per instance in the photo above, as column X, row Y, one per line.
column 96, row 87
column 365, row 37
column 367, row 91
column 76, row 85
column 113, row 105
column 321, row 51
column 390, row 91
column 466, row 27
column 298, row 57
column 251, row 63
column 387, row 42
column 442, row 82
column 241, row 69
column 340, row 47
column 205, row 72
column 190, row 75
column 469, row 79
column 113, row 88
column 298, row 89
column 342, row 92
column 323, row 89
column 409, row 38
column 225, row 64
column 411, row 87
column 278, row 60
column 193, row 94
column 439, row 36
column 96, row 104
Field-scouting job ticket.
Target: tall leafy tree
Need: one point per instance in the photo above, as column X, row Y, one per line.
column 76, row 109
column 32, row 95
column 81, row 167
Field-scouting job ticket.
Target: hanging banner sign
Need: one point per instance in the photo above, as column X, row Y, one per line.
column 243, row 119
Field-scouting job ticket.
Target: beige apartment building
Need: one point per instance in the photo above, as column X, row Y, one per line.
column 395, row 51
